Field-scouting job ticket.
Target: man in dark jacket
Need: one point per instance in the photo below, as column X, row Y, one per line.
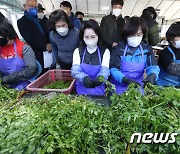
column 32, row 31
column 112, row 25
column 80, row 16
column 67, row 7
column 149, row 15
column 43, row 20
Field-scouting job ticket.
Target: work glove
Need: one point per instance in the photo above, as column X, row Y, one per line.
column 8, row 79
column 1, row 75
column 150, row 79
column 89, row 83
column 99, row 81
column 174, row 69
column 53, row 66
column 130, row 81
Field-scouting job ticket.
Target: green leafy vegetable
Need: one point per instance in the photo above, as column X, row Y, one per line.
column 58, row 85
column 73, row 125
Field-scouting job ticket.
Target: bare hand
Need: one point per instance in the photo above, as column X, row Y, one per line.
column 49, row 47
column 114, row 44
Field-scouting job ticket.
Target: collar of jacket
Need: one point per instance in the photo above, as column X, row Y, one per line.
column 72, row 16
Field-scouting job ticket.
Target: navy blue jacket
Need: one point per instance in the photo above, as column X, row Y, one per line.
column 64, row 46
column 132, row 55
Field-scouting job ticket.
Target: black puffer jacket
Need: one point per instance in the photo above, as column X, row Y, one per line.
column 111, row 29
column 152, row 37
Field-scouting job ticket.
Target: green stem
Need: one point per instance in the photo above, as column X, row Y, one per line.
column 157, row 105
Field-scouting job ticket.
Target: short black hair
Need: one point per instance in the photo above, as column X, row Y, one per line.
column 173, row 31
column 66, row 4
column 79, row 13
column 58, row 15
column 117, row 2
column 131, row 27
column 150, row 10
column 93, row 25
column 6, row 29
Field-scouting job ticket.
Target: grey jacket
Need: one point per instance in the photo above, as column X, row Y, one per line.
column 63, row 47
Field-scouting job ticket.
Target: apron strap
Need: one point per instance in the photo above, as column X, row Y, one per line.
column 0, row 50
column 99, row 56
column 142, row 52
column 15, row 48
column 125, row 51
column 124, row 54
column 174, row 57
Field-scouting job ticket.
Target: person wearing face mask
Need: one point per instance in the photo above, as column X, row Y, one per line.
column 64, row 39
column 40, row 13
column 149, row 15
column 132, row 56
column 43, row 20
column 67, row 7
column 17, row 60
column 80, row 16
column 33, row 32
column 90, row 61
column 112, row 25
column 169, row 58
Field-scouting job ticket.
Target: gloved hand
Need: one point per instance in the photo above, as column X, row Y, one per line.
column 150, row 78
column 1, row 75
column 89, row 83
column 129, row 81
column 7, row 80
column 53, row 66
column 99, row 81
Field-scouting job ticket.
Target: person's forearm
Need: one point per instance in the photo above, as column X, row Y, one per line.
column 174, row 69
column 77, row 73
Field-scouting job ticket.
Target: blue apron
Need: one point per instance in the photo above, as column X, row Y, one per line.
column 166, row 79
column 12, row 65
column 132, row 70
column 91, row 71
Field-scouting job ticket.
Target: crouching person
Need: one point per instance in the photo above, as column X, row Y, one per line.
column 90, row 61
column 17, row 59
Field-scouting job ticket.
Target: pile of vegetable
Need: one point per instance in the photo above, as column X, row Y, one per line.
column 72, row 125
column 7, row 94
column 62, row 84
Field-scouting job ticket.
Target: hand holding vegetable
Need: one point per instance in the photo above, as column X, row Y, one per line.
column 89, row 83
column 99, row 81
column 150, row 78
column 129, row 81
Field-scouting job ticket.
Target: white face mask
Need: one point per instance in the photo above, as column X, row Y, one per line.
column 134, row 41
column 91, row 43
column 177, row 44
column 40, row 15
column 62, row 31
column 117, row 12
